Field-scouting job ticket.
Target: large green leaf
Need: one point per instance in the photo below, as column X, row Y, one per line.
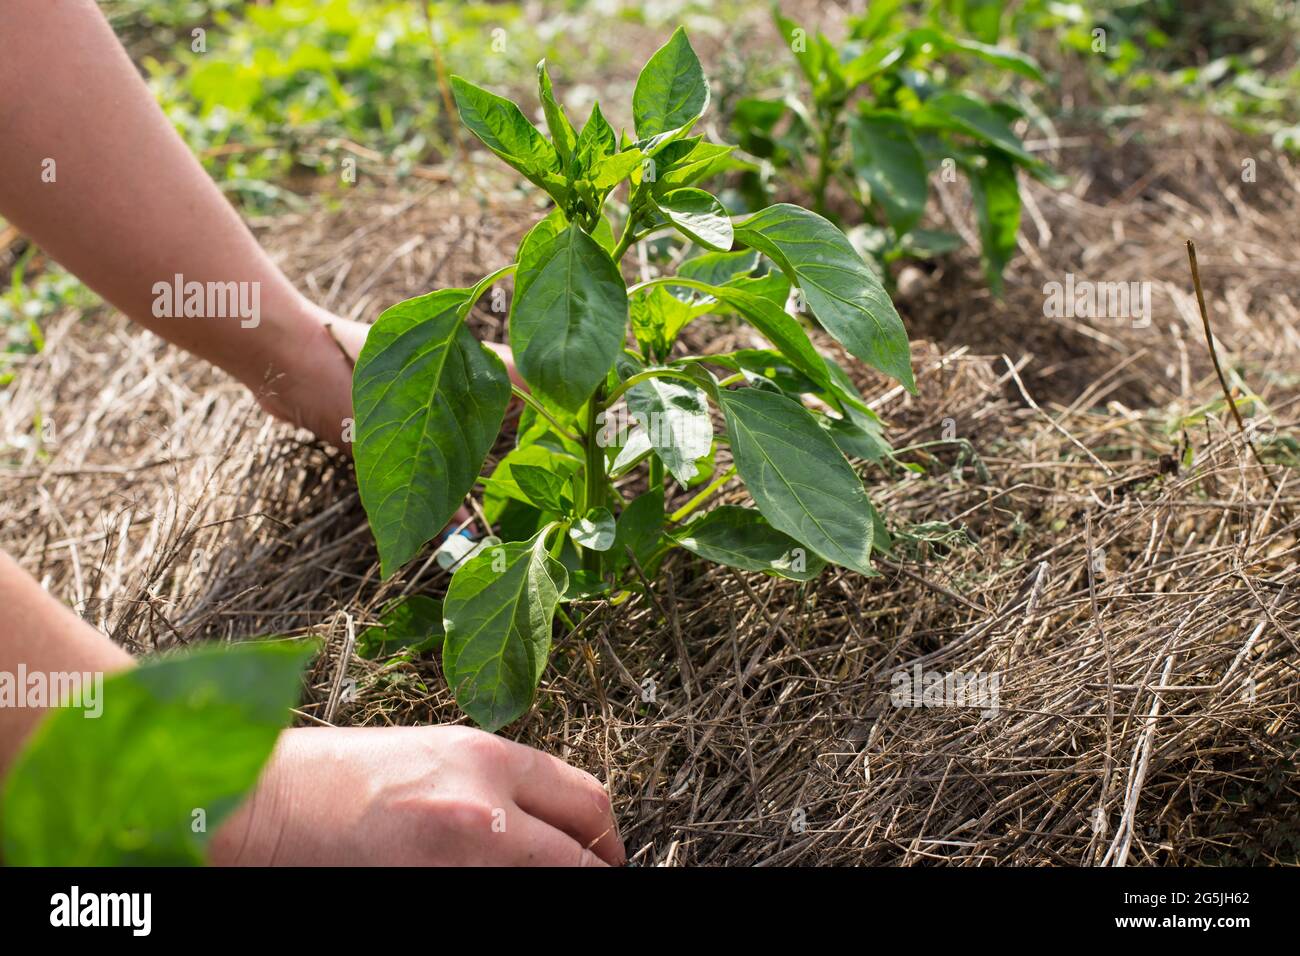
column 675, row 415
column 886, row 156
column 997, row 209
column 839, row 288
column 698, row 216
column 498, row 616
column 568, row 319
column 798, row 478
column 504, row 129
column 429, row 401
column 742, row 538
column 544, row 488
column 179, row 742
column 671, row 92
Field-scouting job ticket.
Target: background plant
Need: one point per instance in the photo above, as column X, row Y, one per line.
column 882, row 111
column 583, row 510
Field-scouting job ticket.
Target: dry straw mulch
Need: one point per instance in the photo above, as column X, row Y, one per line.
column 1137, row 600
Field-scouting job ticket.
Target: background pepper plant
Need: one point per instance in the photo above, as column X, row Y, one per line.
column 882, row 111
column 430, row 399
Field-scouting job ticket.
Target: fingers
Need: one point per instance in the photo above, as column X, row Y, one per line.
column 534, row 842
column 568, row 799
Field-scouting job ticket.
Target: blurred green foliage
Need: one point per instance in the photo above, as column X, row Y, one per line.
column 300, row 81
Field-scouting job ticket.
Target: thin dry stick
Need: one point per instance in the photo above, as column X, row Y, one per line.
column 345, row 655
column 1218, row 369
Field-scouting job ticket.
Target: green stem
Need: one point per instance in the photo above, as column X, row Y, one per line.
column 656, row 472
column 671, row 280
column 537, row 406
column 594, row 473
column 714, row 486
column 640, row 377
column 629, row 228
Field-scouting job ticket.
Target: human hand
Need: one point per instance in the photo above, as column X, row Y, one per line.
column 314, row 390
column 404, row 796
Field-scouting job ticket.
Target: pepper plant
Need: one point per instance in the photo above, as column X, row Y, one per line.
column 614, row 410
column 883, row 111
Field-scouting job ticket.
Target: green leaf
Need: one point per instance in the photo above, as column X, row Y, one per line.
column 657, row 318
column 429, row 401
column 1012, row 60
column 612, row 170
column 856, row 440
column 636, row 447
column 639, row 528
column 997, row 209
column 719, row 268
column 567, row 322
column 886, row 156
column 928, row 243
column 698, row 216
column 563, row 136
column 414, row 623
column 842, row 292
column 596, row 142
column 595, row 530
column 671, row 92
column 798, row 478
column 675, row 415
column 501, row 487
column 504, row 129
column 808, row 54
column 498, row 616
column 742, row 538
column 685, row 162
column 178, row 734
column 966, row 114
column 778, row 327
column 543, row 487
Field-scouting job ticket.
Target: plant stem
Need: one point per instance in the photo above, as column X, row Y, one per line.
column 540, row 409
column 629, row 228
column 656, row 472
column 640, row 377
column 594, row 472
column 714, row 486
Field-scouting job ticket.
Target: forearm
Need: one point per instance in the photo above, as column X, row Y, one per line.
column 40, row 635
column 92, row 171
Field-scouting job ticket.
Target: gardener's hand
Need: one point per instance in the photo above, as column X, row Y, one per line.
column 312, row 387
column 418, row 796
